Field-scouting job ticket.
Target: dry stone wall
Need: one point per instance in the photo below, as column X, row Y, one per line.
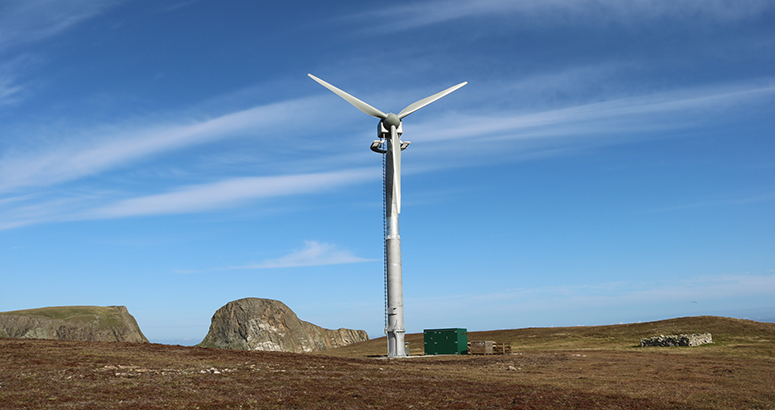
column 678, row 340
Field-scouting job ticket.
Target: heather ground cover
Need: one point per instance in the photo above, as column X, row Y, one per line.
column 79, row 375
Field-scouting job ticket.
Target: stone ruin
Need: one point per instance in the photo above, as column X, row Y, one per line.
column 677, row 340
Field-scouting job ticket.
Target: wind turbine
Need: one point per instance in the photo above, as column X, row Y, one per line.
column 389, row 130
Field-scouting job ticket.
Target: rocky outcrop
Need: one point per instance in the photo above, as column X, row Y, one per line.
column 678, row 340
column 82, row 323
column 269, row 325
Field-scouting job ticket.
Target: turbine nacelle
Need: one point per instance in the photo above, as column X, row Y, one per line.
column 383, row 128
column 391, row 120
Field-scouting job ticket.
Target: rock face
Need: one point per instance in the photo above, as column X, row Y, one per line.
column 678, row 340
column 82, row 323
column 269, row 325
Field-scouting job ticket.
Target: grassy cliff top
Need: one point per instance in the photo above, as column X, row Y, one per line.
column 108, row 315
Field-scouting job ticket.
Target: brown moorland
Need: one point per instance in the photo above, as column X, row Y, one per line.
column 578, row 367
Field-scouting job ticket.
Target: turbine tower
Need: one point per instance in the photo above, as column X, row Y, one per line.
column 389, row 131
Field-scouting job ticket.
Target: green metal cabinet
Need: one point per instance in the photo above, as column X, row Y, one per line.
column 445, row 341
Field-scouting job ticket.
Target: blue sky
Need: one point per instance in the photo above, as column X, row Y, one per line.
column 608, row 161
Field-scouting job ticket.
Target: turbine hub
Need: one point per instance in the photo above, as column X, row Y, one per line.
column 391, row 119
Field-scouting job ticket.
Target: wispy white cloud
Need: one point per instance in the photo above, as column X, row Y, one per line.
column 98, row 149
column 716, row 203
column 13, row 87
column 700, row 288
column 314, row 253
column 177, row 5
column 613, row 121
column 9, row 89
column 33, row 209
column 39, row 207
column 710, row 289
column 559, row 12
column 27, row 21
column 24, row 21
column 103, row 148
column 231, row 192
column 505, row 134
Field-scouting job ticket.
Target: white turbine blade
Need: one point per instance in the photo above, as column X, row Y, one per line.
column 352, row 100
column 425, row 101
column 396, row 145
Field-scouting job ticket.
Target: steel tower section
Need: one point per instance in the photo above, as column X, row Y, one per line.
column 395, row 329
column 389, row 131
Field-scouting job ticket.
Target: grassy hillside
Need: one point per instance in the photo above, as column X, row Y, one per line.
column 745, row 337
column 576, row 367
column 109, row 316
